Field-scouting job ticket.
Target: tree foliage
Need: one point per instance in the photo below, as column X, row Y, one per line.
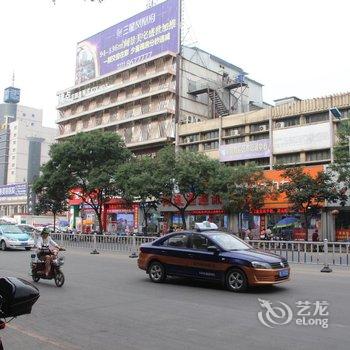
column 50, row 196
column 136, row 181
column 85, row 164
column 306, row 193
column 342, row 153
column 242, row 188
column 181, row 177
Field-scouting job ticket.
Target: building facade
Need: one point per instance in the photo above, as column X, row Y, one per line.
column 24, row 147
column 294, row 132
column 151, row 90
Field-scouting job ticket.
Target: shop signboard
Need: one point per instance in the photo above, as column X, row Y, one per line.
column 342, row 235
column 307, row 137
column 245, row 150
column 130, row 42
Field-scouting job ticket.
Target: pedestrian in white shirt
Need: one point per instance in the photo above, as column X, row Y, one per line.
column 47, row 249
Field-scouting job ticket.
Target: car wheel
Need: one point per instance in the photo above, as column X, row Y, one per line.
column 28, row 248
column 59, row 279
column 156, row 272
column 3, row 246
column 236, row 280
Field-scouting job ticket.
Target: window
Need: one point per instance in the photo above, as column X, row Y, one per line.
column 190, row 138
column 193, row 148
column 315, row 118
column 286, row 122
column 211, row 145
column 14, row 142
column 259, row 127
column 178, row 241
column 288, row 158
column 235, row 131
column 259, row 137
column 318, row 155
column 199, row 242
column 32, row 124
column 23, row 114
column 33, row 115
column 210, row 135
column 235, row 140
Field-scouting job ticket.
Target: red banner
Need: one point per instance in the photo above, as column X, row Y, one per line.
column 299, row 234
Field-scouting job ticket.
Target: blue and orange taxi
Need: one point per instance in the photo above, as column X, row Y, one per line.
column 207, row 253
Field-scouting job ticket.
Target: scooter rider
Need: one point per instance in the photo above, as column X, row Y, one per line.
column 47, row 249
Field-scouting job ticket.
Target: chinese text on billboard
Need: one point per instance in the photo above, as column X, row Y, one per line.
column 132, row 41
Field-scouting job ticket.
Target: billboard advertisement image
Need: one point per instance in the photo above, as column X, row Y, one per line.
column 132, row 41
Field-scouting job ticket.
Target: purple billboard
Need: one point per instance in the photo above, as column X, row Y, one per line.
column 130, row 42
column 245, row 150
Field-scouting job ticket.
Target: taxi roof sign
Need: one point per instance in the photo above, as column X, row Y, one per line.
column 205, row 226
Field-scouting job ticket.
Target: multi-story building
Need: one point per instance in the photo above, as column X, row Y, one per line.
column 292, row 132
column 144, row 101
column 24, row 147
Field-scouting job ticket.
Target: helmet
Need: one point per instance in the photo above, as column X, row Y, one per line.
column 45, row 231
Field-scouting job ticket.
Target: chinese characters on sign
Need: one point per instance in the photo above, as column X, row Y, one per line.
column 245, row 150
column 15, row 190
column 136, row 39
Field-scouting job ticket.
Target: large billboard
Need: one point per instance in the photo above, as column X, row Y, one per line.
column 308, row 137
column 245, row 150
column 14, row 190
column 132, row 41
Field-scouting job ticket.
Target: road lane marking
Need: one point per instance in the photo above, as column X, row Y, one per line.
column 42, row 339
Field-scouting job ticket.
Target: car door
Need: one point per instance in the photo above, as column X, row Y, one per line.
column 173, row 253
column 204, row 264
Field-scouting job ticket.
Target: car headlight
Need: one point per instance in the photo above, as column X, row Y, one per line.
column 260, row 265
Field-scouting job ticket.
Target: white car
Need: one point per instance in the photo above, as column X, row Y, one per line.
column 11, row 237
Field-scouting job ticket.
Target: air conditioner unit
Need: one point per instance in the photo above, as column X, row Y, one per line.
column 263, row 128
column 235, row 132
column 279, row 125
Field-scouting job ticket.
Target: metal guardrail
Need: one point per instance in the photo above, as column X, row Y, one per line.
column 126, row 244
column 321, row 253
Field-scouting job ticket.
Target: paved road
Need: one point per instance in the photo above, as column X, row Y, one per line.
column 107, row 303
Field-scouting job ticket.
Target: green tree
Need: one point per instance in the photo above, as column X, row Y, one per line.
column 180, row 178
column 86, row 163
column 136, row 181
column 307, row 193
column 342, row 153
column 48, row 189
column 242, row 189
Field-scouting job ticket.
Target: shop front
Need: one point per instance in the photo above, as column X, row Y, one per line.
column 204, row 208
column 277, row 216
column 120, row 217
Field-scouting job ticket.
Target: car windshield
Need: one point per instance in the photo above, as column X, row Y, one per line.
column 11, row 229
column 229, row 242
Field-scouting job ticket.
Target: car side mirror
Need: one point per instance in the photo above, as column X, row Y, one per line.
column 213, row 249
column 17, row 297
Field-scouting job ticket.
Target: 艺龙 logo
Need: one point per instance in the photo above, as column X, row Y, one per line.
column 274, row 315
